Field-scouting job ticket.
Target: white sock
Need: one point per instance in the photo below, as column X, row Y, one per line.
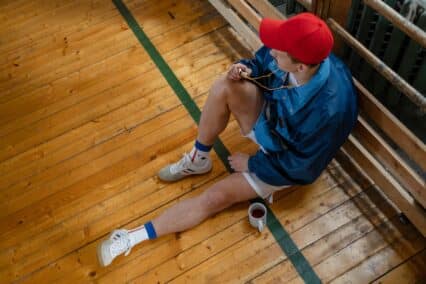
column 138, row 235
column 198, row 155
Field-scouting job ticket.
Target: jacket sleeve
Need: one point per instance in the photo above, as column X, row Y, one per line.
column 257, row 64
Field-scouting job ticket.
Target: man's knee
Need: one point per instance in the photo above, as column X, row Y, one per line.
column 216, row 200
column 220, row 87
column 230, row 89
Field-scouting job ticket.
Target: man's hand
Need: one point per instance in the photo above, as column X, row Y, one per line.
column 235, row 70
column 239, row 162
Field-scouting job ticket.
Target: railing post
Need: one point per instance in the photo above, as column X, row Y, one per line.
column 336, row 9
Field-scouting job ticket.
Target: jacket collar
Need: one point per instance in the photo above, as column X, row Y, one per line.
column 296, row 98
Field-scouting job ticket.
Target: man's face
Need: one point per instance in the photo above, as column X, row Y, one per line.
column 284, row 61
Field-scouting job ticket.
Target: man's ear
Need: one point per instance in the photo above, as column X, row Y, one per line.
column 301, row 67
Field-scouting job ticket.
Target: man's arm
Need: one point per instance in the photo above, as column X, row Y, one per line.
column 257, row 63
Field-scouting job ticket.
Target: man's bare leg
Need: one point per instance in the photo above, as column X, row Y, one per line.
column 244, row 101
column 241, row 98
column 192, row 211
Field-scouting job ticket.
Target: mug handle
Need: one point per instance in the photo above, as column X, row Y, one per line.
column 260, row 225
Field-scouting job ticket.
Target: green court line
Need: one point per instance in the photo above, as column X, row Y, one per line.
column 280, row 234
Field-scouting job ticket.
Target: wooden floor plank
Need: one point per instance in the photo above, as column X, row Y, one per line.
column 135, row 135
column 386, row 259
column 8, row 7
column 79, row 173
column 153, row 104
column 79, row 178
column 321, row 203
column 102, row 34
column 68, row 56
column 255, row 258
column 209, row 269
column 12, row 146
column 192, row 78
column 345, row 215
column 318, row 243
column 410, row 272
column 196, row 67
column 14, row 12
column 42, row 30
column 367, row 247
column 129, row 95
column 21, row 251
column 75, row 86
column 28, row 14
column 139, row 207
column 142, row 255
column 197, row 231
column 99, row 33
column 71, row 89
column 80, row 232
column 86, row 122
column 134, row 150
column 77, row 51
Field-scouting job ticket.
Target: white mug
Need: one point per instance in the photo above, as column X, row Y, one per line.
column 257, row 215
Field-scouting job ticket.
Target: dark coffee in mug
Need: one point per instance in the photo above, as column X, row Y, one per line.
column 258, row 213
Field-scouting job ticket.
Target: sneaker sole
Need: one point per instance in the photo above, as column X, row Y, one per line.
column 184, row 176
column 100, row 258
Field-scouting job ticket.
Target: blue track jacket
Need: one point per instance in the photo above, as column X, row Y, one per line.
column 301, row 128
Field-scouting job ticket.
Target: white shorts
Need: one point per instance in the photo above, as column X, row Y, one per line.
column 262, row 189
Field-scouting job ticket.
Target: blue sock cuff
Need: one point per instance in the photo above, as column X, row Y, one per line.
column 150, row 230
column 202, row 147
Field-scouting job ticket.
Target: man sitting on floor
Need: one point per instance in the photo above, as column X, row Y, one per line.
column 294, row 99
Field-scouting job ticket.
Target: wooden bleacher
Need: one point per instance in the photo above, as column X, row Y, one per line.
column 87, row 119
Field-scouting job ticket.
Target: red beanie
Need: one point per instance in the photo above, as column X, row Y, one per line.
column 304, row 36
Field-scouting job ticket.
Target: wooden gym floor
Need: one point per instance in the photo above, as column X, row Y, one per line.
column 86, row 121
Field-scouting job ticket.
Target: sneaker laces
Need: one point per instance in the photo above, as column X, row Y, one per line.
column 121, row 243
column 181, row 165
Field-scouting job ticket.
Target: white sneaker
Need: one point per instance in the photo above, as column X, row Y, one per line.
column 118, row 243
column 185, row 167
